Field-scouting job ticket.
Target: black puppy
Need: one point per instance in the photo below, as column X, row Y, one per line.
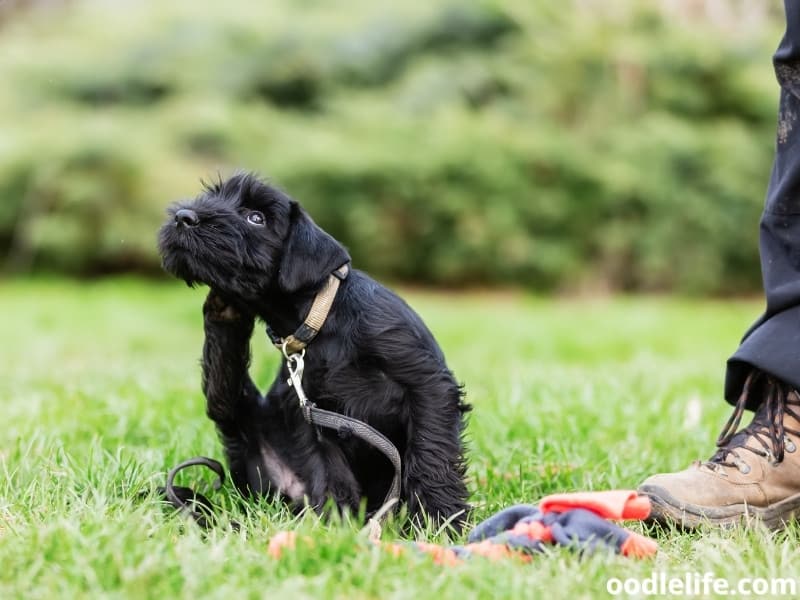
column 373, row 359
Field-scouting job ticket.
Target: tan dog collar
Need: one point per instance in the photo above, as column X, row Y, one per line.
column 320, row 308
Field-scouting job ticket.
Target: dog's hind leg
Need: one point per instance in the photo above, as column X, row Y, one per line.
column 433, row 463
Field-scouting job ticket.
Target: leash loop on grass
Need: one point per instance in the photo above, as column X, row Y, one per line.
column 192, row 503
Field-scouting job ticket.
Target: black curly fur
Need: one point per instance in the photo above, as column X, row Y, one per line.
column 374, row 359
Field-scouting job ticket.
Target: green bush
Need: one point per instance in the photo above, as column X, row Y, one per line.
column 497, row 142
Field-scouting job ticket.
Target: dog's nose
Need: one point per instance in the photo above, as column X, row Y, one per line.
column 186, row 217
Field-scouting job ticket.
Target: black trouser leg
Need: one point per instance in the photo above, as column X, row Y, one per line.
column 772, row 344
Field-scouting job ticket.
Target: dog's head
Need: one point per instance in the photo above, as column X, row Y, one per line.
column 245, row 238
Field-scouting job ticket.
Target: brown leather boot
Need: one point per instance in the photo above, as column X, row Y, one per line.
column 755, row 473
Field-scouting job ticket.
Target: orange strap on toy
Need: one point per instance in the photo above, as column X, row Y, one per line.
column 612, row 504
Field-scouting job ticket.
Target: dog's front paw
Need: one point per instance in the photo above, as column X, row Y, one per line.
column 216, row 309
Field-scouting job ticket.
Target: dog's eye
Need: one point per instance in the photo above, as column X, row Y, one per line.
column 255, row 218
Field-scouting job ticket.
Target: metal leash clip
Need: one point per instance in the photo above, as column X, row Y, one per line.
column 295, row 365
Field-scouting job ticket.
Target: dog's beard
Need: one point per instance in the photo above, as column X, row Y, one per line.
column 212, row 254
column 180, row 264
column 196, row 256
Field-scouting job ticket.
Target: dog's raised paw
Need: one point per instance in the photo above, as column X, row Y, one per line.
column 216, row 308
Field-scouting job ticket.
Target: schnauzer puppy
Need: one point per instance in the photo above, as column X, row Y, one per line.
column 373, row 359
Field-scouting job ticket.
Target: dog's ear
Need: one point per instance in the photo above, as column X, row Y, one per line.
column 309, row 253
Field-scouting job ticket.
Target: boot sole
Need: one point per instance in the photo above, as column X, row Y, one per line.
column 667, row 510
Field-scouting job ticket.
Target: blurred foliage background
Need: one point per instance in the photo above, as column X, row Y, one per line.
column 572, row 145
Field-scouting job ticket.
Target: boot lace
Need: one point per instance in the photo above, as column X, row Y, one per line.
column 767, row 428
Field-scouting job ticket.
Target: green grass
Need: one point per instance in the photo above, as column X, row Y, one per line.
column 101, row 395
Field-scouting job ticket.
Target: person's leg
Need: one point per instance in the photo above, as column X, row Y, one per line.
column 756, row 471
column 773, row 343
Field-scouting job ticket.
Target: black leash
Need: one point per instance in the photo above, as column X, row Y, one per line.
column 200, row 509
column 293, row 349
column 344, row 424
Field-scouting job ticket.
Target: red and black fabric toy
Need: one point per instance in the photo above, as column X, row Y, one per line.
column 581, row 520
